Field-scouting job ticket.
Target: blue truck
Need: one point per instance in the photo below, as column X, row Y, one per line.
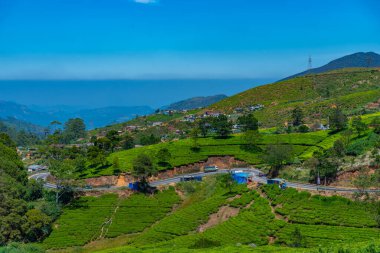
column 278, row 181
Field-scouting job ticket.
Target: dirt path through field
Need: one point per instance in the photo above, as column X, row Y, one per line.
column 223, row 214
column 106, row 225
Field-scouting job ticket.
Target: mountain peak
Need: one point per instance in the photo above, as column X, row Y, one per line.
column 356, row 60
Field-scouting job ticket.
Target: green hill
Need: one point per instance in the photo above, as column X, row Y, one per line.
column 265, row 220
column 350, row 89
column 303, row 145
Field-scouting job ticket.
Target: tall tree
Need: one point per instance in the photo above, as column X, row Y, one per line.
column 251, row 139
column 337, row 120
column 63, row 172
column 204, row 126
column 359, row 126
column 375, row 124
column 222, row 126
column 143, row 168
column 248, row 122
column 128, row 142
column 276, row 156
column 227, row 181
column 163, row 155
column 96, row 156
column 194, row 134
column 114, row 138
column 297, row 116
column 74, row 129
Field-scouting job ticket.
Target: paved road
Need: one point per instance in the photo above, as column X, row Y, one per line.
column 43, row 176
column 253, row 172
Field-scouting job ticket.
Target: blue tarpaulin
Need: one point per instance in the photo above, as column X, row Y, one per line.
column 240, row 178
column 134, row 186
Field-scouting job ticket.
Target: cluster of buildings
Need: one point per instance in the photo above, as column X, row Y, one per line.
column 192, row 117
column 251, row 108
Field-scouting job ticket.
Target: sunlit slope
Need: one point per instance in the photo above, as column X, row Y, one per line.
column 351, row 89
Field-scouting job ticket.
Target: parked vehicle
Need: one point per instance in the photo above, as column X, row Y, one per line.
column 261, row 174
column 211, row 168
column 278, row 181
column 190, row 178
column 142, row 187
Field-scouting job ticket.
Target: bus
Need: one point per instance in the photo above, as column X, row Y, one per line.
column 211, row 168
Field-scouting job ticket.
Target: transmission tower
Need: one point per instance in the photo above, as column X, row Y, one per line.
column 309, row 65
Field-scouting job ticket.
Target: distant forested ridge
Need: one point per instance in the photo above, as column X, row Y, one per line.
column 21, row 132
column 195, row 102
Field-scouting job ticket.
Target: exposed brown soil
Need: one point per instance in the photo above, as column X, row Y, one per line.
column 101, row 181
column 249, row 205
column 121, row 181
column 223, row 214
column 272, row 239
column 223, row 162
column 345, row 178
column 233, row 198
column 95, row 193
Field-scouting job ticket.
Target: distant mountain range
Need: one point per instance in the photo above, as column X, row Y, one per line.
column 195, row 102
column 357, row 60
column 35, row 118
column 20, row 125
column 93, row 117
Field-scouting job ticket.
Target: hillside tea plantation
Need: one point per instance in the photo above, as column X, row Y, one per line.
column 317, row 210
column 267, row 218
column 90, row 218
column 81, row 222
column 138, row 212
column 351, row 89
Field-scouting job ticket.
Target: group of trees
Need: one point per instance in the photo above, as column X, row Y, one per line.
column 220, row 125
column 20, row 137
column 20, row 220
column 336, row 118
column 113, row 140
column 73, row 130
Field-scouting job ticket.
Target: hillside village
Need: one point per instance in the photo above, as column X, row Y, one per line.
column 258, row 159
column 164, row 126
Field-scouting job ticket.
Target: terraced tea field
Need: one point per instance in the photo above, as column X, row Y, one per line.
column 138, row 212
column 267, row 218
column 90, row 218
column 81, row 222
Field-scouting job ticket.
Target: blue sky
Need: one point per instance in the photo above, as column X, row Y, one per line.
column 92, row 39
column 179, row 39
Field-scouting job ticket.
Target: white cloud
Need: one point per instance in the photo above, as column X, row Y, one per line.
column 146, row 1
